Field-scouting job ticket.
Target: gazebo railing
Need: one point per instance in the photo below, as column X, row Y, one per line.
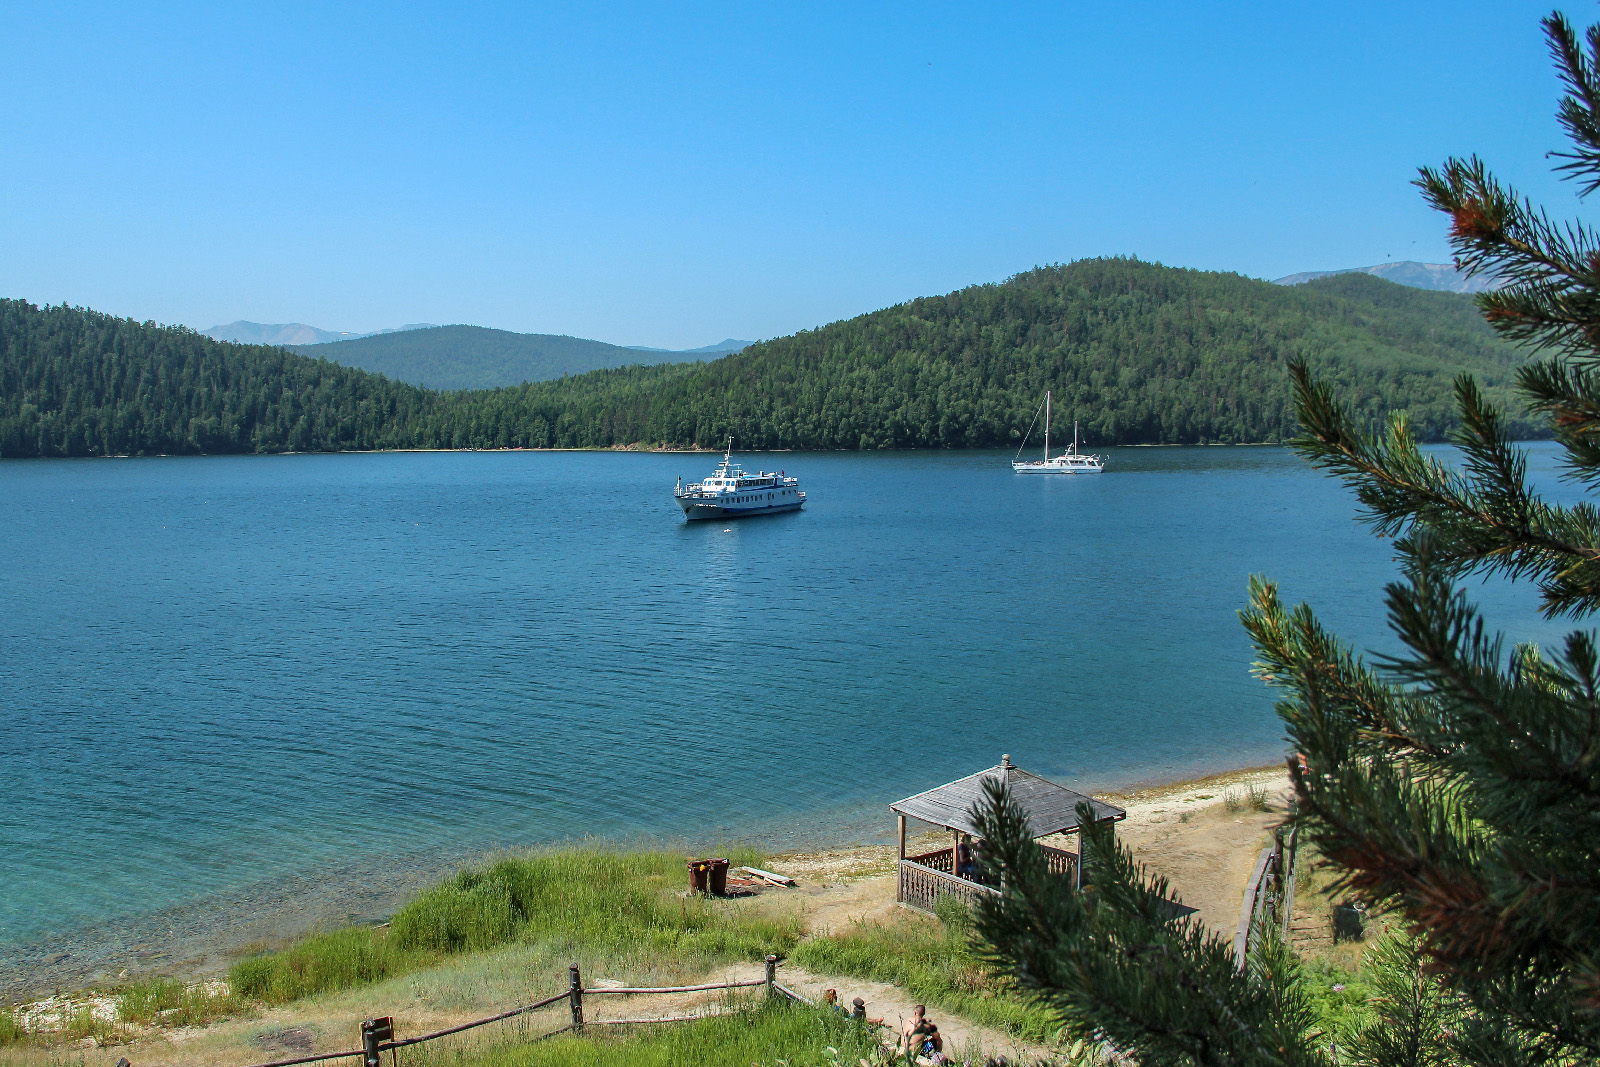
column 926, row 877
column 921, row 887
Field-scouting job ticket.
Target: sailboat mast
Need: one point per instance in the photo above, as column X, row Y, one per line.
column 1047, row 426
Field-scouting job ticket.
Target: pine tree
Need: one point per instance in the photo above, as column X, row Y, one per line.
column 1456, row 785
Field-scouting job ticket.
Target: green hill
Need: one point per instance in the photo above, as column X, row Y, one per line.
column 1138, row 353
column 474, row 357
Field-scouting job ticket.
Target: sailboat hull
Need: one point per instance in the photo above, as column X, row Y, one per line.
column 1055, row 466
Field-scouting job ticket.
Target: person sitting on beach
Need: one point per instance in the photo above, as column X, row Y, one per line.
column 919, row 1035
column 830, row 999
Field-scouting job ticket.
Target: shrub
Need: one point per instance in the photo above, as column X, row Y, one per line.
column 12, row 1031
column 325, row 962
column 174, row 1003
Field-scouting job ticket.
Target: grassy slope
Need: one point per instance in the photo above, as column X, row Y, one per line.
column 569, row 900
column 779, row 1032
column 473, row 357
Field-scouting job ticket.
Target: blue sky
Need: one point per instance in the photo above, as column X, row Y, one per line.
column 671, row 175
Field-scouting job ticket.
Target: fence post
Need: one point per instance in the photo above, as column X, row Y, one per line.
column 369, row 1044
column 772, row 974
column 575, row 993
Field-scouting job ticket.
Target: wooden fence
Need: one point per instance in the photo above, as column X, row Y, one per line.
column 925, row 878
column 378, row 1037
column 1268, row 896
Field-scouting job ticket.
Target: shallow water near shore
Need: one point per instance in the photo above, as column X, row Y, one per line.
column 221, row 676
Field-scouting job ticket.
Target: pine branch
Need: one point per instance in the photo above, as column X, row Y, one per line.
column 1117, row 968
column 1579, row 111
column 1490, row 522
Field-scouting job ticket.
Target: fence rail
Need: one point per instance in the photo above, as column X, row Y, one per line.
column 377, row 1035
column 1268, row 896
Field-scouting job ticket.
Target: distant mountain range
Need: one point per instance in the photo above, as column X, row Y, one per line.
column 291, row 333
column 461, row 357
column 475, row 357
column 1438, row 276
column 721, row 348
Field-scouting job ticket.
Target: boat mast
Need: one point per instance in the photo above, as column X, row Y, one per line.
column 1074, row 437
column 1047, row 426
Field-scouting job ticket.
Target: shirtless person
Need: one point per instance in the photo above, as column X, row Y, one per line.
column 919, row 1036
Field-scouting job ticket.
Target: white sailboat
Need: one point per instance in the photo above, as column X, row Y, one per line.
column 1069, row 462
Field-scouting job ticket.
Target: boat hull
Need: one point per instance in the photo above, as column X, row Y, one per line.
column 696, row 510
column 1040, row 468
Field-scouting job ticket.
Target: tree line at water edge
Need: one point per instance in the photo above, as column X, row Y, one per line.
column 1139, row 353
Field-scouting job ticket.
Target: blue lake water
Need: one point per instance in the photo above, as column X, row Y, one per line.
column 220, row 672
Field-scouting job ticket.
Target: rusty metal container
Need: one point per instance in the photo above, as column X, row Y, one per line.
column 718, row 870
column 699, row 871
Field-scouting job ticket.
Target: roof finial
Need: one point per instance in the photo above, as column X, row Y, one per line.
column 1005, row 760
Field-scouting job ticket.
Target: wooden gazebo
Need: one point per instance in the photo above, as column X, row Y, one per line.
column 954, row 871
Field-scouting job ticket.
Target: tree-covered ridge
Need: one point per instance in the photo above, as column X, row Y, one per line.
column 80, row 383
column 1140, row 353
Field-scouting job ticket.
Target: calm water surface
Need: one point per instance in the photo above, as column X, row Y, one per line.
column 219, row 672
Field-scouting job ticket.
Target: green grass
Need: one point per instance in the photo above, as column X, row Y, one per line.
column 584, row 899
column 778, row 1031
column 12, row 1032
column 172, row 1003
column 931, row 960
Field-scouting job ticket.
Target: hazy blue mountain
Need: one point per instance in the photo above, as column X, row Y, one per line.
column 721, row 348
column 1438, row 276
column 475, row 357
column 275, row 333
column 290, row 333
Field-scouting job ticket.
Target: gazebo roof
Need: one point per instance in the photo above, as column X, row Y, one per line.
column 1051, row 808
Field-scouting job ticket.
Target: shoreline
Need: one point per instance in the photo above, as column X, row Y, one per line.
column 643, row 450
column 201, row 939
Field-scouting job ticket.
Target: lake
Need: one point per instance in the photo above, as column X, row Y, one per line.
column 295, row 686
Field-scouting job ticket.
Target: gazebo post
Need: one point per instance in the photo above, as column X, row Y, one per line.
column 902, row 837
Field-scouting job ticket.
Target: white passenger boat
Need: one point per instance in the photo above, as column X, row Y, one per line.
column 1069, row 462
column 730, row 493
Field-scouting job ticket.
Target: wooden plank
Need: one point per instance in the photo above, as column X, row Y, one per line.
column 780, row 879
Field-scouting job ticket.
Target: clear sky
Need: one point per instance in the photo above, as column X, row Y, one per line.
column 672, row 175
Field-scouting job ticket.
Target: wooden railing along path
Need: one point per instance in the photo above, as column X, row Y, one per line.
column 378, row 1036
column 1268, row 896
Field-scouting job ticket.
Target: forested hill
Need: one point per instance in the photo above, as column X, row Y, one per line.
column 1137, row 352
column 475, row 357
column 79, row 383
